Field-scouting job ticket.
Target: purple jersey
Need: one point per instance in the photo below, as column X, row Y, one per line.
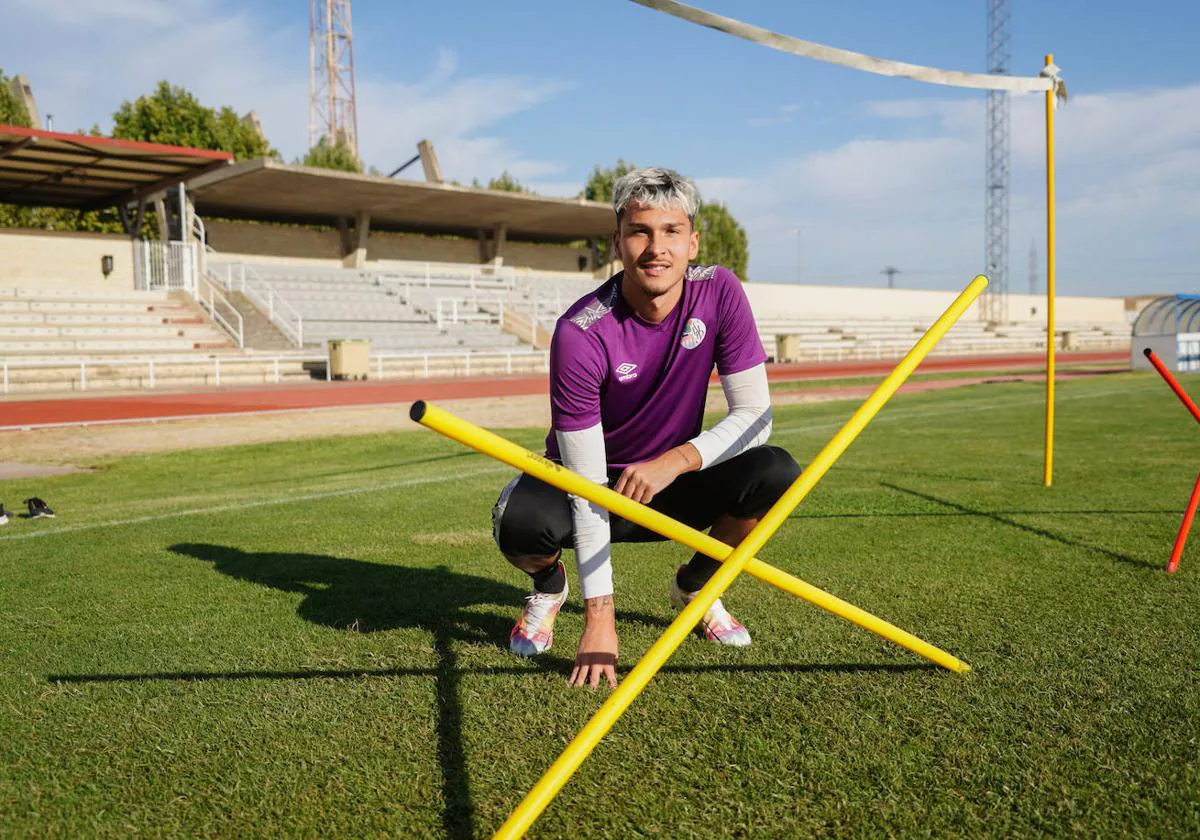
column 646, row 384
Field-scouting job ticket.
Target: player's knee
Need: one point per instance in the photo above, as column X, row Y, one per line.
column 524, row 526
column 780, row 470
column 771, row 472
column 522, row 536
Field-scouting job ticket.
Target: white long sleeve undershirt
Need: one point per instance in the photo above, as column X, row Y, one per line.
column 748, row 424
column 583, row 452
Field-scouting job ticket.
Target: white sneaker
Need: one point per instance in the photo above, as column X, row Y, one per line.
column 534, row 630
column 718, row 625
column 3, row 515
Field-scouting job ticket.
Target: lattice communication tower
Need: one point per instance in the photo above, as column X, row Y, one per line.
column 331, row 110
column 993, row 304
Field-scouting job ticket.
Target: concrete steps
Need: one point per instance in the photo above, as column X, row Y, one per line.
column 94, row 346
column 89, row 323
column 141, row 331
column 260, row 333
column 394, row 315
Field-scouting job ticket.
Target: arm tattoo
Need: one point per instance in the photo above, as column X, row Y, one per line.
column 599, row 606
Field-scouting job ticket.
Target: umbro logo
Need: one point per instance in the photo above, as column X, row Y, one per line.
column 626, row 371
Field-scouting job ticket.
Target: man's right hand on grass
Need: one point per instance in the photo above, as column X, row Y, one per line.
column 597, row 654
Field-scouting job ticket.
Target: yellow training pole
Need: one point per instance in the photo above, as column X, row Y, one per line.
column 568, row 762
column 1048, row 468
column 559, row 476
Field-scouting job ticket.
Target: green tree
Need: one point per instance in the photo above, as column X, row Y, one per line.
column 722, row 240
column 599, row 186
column 174, row 116
column 337, row 155
column 12, row 110
column 507, row 183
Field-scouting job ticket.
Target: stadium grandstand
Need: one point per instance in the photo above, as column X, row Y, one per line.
column 260, row 267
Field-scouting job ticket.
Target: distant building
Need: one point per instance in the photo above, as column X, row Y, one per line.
column 19, row 85
column 252, row 119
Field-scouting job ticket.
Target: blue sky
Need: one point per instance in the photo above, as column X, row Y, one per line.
column 872, row 171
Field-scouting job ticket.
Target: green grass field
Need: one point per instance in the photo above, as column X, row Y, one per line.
column 309, row 638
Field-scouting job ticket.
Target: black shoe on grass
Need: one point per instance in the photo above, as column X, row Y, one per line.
column 39, row 509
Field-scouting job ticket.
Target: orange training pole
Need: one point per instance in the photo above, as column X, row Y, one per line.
column 1171, row 381
column 1188, row 515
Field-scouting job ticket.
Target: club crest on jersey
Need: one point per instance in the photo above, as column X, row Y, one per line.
column 693, row 334
column 626, row 372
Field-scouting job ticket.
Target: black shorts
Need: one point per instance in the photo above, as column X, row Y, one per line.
column 533, row 519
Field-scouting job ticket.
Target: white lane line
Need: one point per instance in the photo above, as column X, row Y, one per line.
column 234, row 508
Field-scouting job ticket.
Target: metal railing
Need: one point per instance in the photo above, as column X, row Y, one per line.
column 823, row 351
column 223, row 313
column 449, row 310
column 450, row 355
column 153, row 366
column 164, row 266
column 278, row 310
column 448, row 274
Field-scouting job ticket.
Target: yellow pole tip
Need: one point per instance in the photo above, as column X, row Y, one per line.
column 417, row 411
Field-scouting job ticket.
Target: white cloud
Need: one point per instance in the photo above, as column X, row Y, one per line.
column 79, row 13
column 906, row 191
column 227, row 55
column 1128, row 186
column 394, row 117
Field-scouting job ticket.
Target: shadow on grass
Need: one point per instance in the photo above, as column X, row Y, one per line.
column 369, row 597
column 364, row 597
column 557, row 664
column 915, row 514
column 990, row 479
column 1002, row 518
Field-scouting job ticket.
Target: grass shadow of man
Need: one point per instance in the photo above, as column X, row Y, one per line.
column 367, row 597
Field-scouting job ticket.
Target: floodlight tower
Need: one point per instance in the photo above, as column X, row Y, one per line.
column 331, row 108
column 993, row 304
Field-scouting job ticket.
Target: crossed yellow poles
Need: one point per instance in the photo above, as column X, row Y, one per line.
column 734, row 560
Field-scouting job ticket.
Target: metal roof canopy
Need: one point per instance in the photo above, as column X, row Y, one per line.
column 1168, row 316
column 266, row 191
column 50, row 169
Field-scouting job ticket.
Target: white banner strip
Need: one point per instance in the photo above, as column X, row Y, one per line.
column 846, row 58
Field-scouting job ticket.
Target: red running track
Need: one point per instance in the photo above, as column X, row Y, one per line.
column 22, row 414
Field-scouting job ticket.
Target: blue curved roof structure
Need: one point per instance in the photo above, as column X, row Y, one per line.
column 1169, row 315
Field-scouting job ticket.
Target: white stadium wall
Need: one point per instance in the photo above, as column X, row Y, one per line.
column 777, row 301
column 33, row 258
column 255, row 242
